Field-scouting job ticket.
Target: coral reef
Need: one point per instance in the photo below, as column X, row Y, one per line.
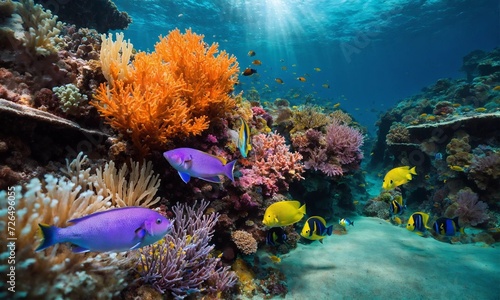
column 398, row 133
column 485, row 170
column 308, row 117
column 102, row 15
column 182, row 263
column 57, row 272
column 163, row 97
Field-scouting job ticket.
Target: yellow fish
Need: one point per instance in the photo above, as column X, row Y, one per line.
column 398, row 176
column 418, row 222
column 397, row 220
column 457, row 168
column 480, row 109
column 325, row 85
column 315, row 229
column 244, row 140
column 317, row 69
column 284, row 213
column 275, row 259
column 336, row 105
column 496, row 88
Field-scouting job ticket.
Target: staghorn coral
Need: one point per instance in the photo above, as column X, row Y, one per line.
column 485, row 170
column 245, row 242
column 57, row 272
column 42, row 28
column 470, row 211
column 273, row 166
column 171, row 93
column 398, row 133
column 182, row 264
column 115, row 57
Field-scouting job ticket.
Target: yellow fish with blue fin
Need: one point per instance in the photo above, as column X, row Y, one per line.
column 418, row 222
column 397, row 207
column 346, row 222
column 398, row 176
column 446, row 226
column 244, row 140
column 315, row 229
column 284, row 213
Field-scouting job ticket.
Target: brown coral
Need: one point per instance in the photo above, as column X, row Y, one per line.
column 458, row 150
column 398, row 133
column 245, row 242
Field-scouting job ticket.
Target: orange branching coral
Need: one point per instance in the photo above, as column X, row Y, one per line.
column 171, row 93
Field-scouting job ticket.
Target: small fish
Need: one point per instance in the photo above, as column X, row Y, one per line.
column 301, row 78
column 448, row 227
column 438, row 156
column 275, row 235
column 244, row 140
column 397, row 220
column 315, row 229
column 251, row 53
column 398, row 176
column 346, row 222
column 279, row 80
column 397, row 208
column 283, row 68
column 325, row 85
column 248, row 72
column 317, row 69
column 116, row 230
column 423, row 115
column 275, row 259
column 362, row 185
column 195, row 163
column 284, row 213
column 257, row 62
column 418, row 222
column 496, row 88
column 336, row 105
column 480, row 109
column 457, row 168
column 456, row 105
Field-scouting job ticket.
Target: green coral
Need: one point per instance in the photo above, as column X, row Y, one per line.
column 70, row 98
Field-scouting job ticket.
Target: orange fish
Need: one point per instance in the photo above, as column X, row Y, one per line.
column 248, row 72
column 279, row 80
column 257, row 62
column 251, row 53
column 301, row 78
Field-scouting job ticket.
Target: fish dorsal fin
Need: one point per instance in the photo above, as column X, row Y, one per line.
column 77, row 220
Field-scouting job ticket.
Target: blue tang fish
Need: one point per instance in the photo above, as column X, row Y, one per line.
column 195, row 163
column 244, row 139
column 448, row 227
column 117, row 230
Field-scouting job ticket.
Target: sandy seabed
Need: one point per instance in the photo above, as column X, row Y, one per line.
column 377, row 260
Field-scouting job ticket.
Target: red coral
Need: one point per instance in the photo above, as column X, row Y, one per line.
column 470, row 211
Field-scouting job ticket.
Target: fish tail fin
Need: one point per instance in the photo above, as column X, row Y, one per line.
column 329, row 230
column 302, row 209
column 49, row 235
column 413, row 171
column 229, row 170
column 352, row 223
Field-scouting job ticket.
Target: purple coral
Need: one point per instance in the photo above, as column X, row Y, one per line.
column 471, row 211
column 181, row 263
column 485, row 170
column 344, row 142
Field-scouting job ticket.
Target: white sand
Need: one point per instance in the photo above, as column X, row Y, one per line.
column 377, row 260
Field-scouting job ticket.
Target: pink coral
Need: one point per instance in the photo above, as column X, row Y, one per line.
column 470, row 211
column 274, row 166
column 344, row 142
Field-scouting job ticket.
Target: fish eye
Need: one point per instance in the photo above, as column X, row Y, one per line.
column 391, row 181
column 158, row 221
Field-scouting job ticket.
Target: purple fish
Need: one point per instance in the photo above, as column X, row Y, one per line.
column 119, row 229
column 194, row 163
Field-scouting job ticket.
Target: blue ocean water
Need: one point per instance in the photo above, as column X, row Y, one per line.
column 371, row 54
